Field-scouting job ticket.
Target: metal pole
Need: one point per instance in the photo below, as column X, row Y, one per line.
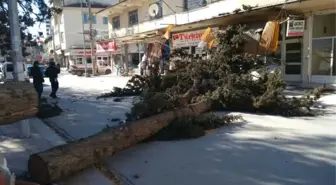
column 91, row 40
column 53, row 40
column 17, row 58
column 84, row 49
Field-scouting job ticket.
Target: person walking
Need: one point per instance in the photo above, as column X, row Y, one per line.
column 37, row 78
column 52, row 73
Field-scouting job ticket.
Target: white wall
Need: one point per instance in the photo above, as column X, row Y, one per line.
column 72, row 26
column 264, row 3
column 107, row 2
column 206, row 12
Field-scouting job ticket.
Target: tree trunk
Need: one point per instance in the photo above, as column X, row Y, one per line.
column 18, row 101
column 65, row 160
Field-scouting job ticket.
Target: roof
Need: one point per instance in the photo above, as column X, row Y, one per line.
column 85, row 5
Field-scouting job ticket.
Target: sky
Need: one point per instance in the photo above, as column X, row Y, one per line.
column 38, row 27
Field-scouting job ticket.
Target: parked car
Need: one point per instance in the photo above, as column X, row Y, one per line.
column 42, row 69
column 7, row 72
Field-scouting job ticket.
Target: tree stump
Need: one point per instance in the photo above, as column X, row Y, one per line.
column 18, row 101
column 63, row 161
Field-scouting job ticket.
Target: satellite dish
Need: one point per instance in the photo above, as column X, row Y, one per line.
column 153, row 10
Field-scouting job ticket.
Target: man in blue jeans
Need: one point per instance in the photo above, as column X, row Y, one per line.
column 37, row 78
column 52, row 73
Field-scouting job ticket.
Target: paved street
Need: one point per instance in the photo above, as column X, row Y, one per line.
column 263, row 149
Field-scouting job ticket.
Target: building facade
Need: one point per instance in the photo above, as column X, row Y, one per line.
column 307, row 53
column 69, row 26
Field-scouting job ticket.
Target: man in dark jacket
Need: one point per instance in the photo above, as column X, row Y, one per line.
column 52, row 73
column 37, row 78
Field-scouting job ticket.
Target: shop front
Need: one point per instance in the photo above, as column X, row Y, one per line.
column 135, row 52
column 323, row 48
column 189, row 41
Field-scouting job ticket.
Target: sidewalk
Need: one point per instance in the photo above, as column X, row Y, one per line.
column 17, row 149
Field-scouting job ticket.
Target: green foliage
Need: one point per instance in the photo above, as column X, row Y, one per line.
column 193, row 127
column 226, row 78
column 28, row 17
column 151, row 104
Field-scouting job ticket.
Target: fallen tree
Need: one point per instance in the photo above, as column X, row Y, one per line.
column 18, row 101
column 225, row 81
column 65, row 160
column 231, row 78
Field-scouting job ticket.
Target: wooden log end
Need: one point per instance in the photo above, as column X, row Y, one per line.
column 38, row 169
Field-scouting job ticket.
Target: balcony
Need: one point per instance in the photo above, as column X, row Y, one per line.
column 207, row 12
column 120, row 7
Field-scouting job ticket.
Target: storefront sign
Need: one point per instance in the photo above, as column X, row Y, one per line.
column 80, row 52
column 103, row 47
column 187, row 39
column 295, row 28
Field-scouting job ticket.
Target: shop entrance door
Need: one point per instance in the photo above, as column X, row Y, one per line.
column 292, row 60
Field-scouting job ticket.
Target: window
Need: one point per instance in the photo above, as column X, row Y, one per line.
column 105, row 20
column 10, row 68
column 133, row 17
column 193, row 4
column 86, row 18
column 116, row 23
column 79, row 61
column 94, row 20
column 322, row 56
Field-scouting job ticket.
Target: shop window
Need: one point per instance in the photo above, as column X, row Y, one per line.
column 334, row 59
column 134, row 58
column 79, row 61
column 88, row 60
column 133, row 17
column 116, row 22
column 322, row 56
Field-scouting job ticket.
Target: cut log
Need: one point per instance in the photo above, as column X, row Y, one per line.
column 18, row 101
column 63, row 161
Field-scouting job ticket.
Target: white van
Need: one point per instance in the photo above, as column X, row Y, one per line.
column 7, row 72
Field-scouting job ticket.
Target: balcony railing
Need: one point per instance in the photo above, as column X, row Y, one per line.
column 203, row 13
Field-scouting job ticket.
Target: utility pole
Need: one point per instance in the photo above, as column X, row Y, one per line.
column 53, row 40
column 17, row 57
column 83, row 29
column 91, row 39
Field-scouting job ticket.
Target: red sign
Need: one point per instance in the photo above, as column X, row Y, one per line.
column 187, row 36
column 103, row 47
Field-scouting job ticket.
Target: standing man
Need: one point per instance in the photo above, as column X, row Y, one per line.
column 52, row 73
column 37, row 78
